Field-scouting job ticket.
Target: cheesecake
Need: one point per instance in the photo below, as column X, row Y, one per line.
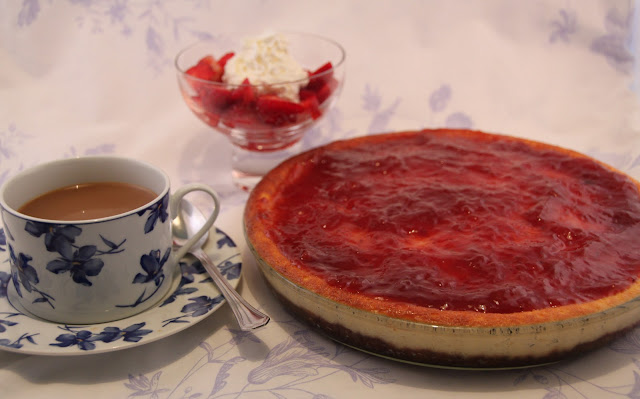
column 451, row 247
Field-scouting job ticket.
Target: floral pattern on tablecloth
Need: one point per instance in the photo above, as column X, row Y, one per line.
column 293, row 368
column 287, row 359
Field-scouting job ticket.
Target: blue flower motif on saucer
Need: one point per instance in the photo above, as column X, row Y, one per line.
column 201, row 305
column 157, row 212
column 17, row 344
column 86, row 340
column 3, row 240
column 133, row 333
column 231, row 269
column 188, row 272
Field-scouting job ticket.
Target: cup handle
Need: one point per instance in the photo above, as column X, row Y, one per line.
column 174, row 207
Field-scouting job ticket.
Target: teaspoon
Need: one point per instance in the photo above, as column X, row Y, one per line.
column 188, row 220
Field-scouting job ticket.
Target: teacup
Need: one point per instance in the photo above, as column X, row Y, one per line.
column 100, row 269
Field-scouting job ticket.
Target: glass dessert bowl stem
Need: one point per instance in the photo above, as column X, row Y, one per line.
column 256, row 151
column 248, row 167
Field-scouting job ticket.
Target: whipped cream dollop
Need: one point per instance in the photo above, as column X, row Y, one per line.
column 265, row 60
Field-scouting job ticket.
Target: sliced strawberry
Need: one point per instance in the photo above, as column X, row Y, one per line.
column 309, row 101
column 223, row 60
column 239, row 116
column 311, row 105
column 215, row 98
column 207, row 68
column 201, row 71
column 320, row 76
column 323, row 92
column 277, row 111
column 306, row 93
column 211, row 119
column 243, row 94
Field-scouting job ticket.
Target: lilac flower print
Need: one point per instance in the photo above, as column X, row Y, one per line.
column 614, row 44
column 288, row 358
column 635, row 390
column 439, row 102
column 628, row 344
column 118, row 10
column 97, row 150
column 636, row 162
column 564, row 27
column 144, row 386
column 367, row 376
column 381, row 117
column 440, row 98
column 147, row 21
column 328, row 130
column 223, row 374
column 154, row 41
column 3, row 176
column 29, row 12
column 239, row 336
column 459, row 120
column 10, row 139
column 371, row 99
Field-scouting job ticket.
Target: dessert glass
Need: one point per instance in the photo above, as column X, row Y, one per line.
column 259, row 142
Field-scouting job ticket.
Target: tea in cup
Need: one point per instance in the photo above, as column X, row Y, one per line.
column 89, row 238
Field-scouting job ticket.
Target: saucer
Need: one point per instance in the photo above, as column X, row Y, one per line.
column 192, row 297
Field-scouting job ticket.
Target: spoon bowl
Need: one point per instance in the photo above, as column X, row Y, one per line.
column 189, row 220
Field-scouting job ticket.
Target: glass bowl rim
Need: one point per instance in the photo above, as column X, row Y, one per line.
column 183, row 72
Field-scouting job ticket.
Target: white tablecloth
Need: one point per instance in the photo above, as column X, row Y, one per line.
column 84, row 77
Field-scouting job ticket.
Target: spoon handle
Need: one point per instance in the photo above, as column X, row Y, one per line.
column 248, row 317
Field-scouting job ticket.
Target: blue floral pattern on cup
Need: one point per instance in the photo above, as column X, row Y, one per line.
column 151, row 264
column 80, row 262
column 157, row 211
column 56, row 237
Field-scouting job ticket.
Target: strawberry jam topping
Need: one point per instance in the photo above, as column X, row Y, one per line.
column 479, row 223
